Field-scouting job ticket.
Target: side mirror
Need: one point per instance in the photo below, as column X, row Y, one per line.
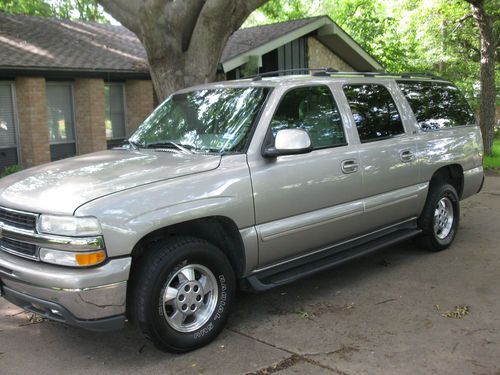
column 289, row 142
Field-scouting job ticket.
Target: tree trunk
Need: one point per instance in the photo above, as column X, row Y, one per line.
column 183, row 39
column 488, row 90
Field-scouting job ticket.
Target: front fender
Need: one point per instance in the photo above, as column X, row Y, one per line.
column 128, row 216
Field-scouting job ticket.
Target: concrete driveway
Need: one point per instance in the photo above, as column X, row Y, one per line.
column 382, row 314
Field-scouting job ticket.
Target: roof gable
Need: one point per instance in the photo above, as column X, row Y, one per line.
column 257, row 41
column 244, row 40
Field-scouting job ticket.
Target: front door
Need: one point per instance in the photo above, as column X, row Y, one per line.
column 304, row 202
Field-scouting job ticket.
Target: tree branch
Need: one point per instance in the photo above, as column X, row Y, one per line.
column 124, row 11
column 462, row 19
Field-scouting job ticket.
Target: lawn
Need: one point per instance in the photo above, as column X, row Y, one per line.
column 493, row 162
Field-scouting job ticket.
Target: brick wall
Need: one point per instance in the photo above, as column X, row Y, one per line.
column 31, row 105
column 139, row 102
column 321, row 57
column 89, row 115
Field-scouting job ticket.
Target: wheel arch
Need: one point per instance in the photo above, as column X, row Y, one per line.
column 452, row 174
column 221, row 231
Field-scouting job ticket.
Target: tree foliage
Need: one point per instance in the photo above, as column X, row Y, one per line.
column 434, row 36
column 444, row 37
column 84, row 10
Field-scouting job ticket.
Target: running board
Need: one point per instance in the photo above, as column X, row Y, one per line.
column 294, row 270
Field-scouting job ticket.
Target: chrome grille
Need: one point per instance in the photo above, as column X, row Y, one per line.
column 18, row 219
column 17, row 247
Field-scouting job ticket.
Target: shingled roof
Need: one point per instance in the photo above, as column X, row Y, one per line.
column 48, row 44
column 244, row 40
column 54, row 44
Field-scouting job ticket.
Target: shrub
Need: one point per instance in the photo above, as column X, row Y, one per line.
column 10, row 169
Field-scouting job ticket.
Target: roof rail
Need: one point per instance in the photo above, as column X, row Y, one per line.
column 383, row 74
column 329, row 72
column 314, row 71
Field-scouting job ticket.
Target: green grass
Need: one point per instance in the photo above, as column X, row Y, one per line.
column 493, row 162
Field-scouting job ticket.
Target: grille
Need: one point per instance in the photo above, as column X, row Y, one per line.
column 18, row 247
column 18, row 219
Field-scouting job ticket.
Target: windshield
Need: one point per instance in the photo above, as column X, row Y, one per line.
column 215, row 120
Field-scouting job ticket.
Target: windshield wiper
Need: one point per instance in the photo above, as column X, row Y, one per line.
column 181, row 147
column 212, row 151
column 133, row 144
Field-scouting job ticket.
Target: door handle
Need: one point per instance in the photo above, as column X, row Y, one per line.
column 406, row 156
column 349, row 166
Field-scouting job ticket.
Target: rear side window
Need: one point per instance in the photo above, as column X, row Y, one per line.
column 437, row 105
column 314, row 110
column 374, row 111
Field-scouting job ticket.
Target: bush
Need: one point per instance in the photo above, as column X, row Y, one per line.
column 493, row 162
column 9, row 170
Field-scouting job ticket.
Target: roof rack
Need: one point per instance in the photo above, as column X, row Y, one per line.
column 315, row 71
column 329, row 72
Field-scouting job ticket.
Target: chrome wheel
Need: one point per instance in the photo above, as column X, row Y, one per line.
column 443, row 218
column 189, row 298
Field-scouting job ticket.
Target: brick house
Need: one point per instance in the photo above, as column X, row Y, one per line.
column 69, row 87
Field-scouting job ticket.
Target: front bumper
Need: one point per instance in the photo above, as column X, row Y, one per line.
column 93, row 298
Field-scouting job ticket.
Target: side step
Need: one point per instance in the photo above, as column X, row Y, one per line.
column 294, row 270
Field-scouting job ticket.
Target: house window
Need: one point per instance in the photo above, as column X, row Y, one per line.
column 115, row 114
column 8, row 138
column 61, row 120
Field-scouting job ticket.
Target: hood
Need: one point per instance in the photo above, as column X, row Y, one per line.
column 61, row 187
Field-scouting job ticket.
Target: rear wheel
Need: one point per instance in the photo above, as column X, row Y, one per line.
column 439, row 218
column 182, row 293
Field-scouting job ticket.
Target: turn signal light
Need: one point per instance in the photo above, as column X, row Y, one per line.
column 90, row 259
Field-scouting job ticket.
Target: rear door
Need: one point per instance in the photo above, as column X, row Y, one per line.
column 387, row 153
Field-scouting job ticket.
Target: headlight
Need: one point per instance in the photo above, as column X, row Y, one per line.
column 72, row 258
column 73, row 226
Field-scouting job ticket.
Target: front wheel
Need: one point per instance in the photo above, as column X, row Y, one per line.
column 182, row 293
column 439, row 218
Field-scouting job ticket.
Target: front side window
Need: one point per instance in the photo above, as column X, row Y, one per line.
column 314, row 110
column 60, row 120
column 115, row 113
column 214, row 120
column 374, row 111
column 437, row 105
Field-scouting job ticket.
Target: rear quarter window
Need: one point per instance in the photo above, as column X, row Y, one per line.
column 437, row 105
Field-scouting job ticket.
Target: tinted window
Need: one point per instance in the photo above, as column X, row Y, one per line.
column 374, row 111
column 437, row 105
column 312, row 109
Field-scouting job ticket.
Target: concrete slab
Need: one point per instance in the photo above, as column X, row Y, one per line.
column 51, row 348
column 383, row 314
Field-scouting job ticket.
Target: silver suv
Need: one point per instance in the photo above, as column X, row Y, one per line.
column 245, row 184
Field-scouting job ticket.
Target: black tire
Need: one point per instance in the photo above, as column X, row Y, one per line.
column 155, row 269
column 429, row 239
